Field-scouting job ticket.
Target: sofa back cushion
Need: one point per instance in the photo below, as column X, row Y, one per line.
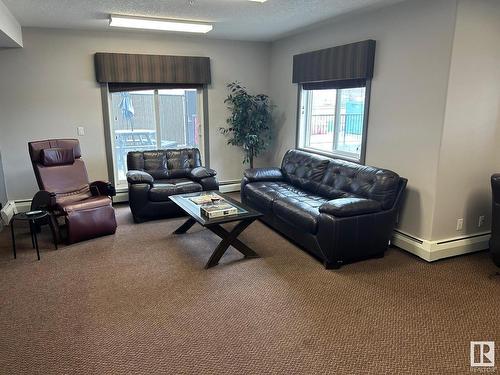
column 304, row 170
column 161, row 164
column 345, row 179
column 336, row 178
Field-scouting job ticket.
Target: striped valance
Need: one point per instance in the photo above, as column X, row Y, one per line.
column 348, row 62
column 131, row 68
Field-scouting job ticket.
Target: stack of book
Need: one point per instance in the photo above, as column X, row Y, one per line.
column 212, row 211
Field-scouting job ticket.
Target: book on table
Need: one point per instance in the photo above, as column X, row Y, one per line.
column 205, row 198
column 212, row 211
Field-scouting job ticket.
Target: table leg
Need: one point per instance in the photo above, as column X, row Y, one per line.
column 35, row 239
column 186, row 226
column 228, row 239
column 32, row 231
column 13, row 238
column 53, row 230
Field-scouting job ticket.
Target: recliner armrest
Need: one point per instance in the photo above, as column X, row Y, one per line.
column 344, row 207
column 102, row 188
column 264, row 174
column 199, row 173
column 139, row 177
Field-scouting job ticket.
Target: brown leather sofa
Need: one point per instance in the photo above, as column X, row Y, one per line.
column 338, row 211
column 65, row 191
column 153, row 176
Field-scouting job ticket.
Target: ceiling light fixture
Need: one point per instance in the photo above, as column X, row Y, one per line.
column 159, row 24
column 258, row 1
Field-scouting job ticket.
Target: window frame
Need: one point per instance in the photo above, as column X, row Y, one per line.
column 202, row 102
column 335, row 154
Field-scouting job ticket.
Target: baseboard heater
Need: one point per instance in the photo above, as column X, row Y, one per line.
column 445, row 248
column 8, row 211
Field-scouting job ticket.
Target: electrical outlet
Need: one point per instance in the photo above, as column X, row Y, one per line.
column 80, row 130
column 460, row 224
column 480, row 221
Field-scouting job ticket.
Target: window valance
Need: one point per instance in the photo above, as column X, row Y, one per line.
column 348, row 62
column 153, row 69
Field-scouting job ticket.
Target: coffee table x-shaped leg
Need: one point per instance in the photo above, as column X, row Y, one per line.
column 229, row 238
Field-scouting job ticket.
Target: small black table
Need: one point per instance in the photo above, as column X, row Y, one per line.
column 34, row 220
column 245, row 216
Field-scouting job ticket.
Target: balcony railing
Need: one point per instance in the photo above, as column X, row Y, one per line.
column 350, row 124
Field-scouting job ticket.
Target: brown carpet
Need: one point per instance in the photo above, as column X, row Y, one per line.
column 140, row 302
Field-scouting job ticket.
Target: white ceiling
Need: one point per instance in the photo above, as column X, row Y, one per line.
column 233, row 19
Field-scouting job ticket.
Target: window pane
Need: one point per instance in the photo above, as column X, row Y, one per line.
column 178, row 115
column 331, row 121
column 322, row 119
column 352, row 109
column 133, row 126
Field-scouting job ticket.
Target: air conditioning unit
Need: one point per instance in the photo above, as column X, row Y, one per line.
column 8, row 211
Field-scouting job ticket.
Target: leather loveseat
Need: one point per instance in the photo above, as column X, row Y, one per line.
column 153, row 176
column 338, row 211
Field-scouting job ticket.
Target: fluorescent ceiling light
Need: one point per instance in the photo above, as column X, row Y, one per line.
column 159, row 24
column 258, row 1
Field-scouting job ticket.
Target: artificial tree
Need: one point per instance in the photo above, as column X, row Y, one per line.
column 250, row 121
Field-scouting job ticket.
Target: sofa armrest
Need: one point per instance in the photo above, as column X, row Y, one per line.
column 264, row 174
column 139, row 177
column 102, row 188
column 344, row 207
column 199, row 173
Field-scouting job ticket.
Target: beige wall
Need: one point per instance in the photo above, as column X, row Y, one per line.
column 49, row 88
column 470, row 150
column 408, row 95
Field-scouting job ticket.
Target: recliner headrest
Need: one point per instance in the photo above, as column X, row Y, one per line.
column 51, row 157
column 36, row 147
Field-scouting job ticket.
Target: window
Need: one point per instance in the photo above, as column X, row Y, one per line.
column 153, row 119
column 332, row 121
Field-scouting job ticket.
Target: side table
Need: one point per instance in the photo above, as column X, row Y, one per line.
column 34, row 220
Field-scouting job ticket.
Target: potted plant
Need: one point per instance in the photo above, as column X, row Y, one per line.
column 250, row 121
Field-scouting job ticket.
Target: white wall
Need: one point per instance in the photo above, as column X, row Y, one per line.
column 408, row 96
column 470, row 149
column 49, row 88
column 10, row 30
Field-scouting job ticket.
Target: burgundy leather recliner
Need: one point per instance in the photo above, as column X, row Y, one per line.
column 66, row 191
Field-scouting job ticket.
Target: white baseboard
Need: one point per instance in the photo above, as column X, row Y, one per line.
column 434, row 250
column 230, row 188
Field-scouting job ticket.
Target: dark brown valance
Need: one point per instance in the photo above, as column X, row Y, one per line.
column 130, row 68
column 348, row 62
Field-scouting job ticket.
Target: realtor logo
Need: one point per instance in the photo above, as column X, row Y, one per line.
column 482, row 353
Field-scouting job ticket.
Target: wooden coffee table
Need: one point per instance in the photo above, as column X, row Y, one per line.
column 245, row 216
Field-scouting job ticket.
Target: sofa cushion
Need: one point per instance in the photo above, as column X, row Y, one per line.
column 344, row 179
column 155, row 163
column 292, row 205
column 264, row 193
column 181, row 161
column 304, row 170
column 301, row 211
column 163, row 189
